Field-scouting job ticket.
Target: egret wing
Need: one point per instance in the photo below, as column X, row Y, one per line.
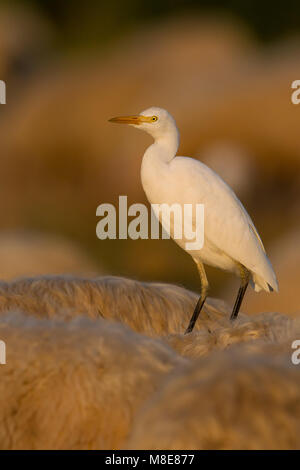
column 227, row 225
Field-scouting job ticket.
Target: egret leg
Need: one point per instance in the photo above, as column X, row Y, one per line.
column 201, row 301
column 243, row 287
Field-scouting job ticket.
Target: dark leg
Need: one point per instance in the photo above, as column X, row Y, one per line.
column 241, row 293
column 201, row 301
column 195, row 315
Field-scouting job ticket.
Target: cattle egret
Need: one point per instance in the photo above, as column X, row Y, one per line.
column 231, row 241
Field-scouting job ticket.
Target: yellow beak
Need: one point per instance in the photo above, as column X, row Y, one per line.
column 136, row 119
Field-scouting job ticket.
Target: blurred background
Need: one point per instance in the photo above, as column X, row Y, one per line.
column 224, row 73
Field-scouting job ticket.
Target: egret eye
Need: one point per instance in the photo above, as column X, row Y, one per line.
column 154, row 118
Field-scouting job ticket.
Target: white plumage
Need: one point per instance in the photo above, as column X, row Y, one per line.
column 231, row 241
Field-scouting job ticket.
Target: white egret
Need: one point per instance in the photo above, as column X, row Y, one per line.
column 231, row 241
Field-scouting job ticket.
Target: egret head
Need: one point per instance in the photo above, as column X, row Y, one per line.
column 156, row 121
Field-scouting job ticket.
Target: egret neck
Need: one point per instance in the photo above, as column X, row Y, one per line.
column 156, row 159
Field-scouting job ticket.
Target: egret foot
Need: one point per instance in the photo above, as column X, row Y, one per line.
column 195, row 315
column 201, row 301
column 241, row 293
